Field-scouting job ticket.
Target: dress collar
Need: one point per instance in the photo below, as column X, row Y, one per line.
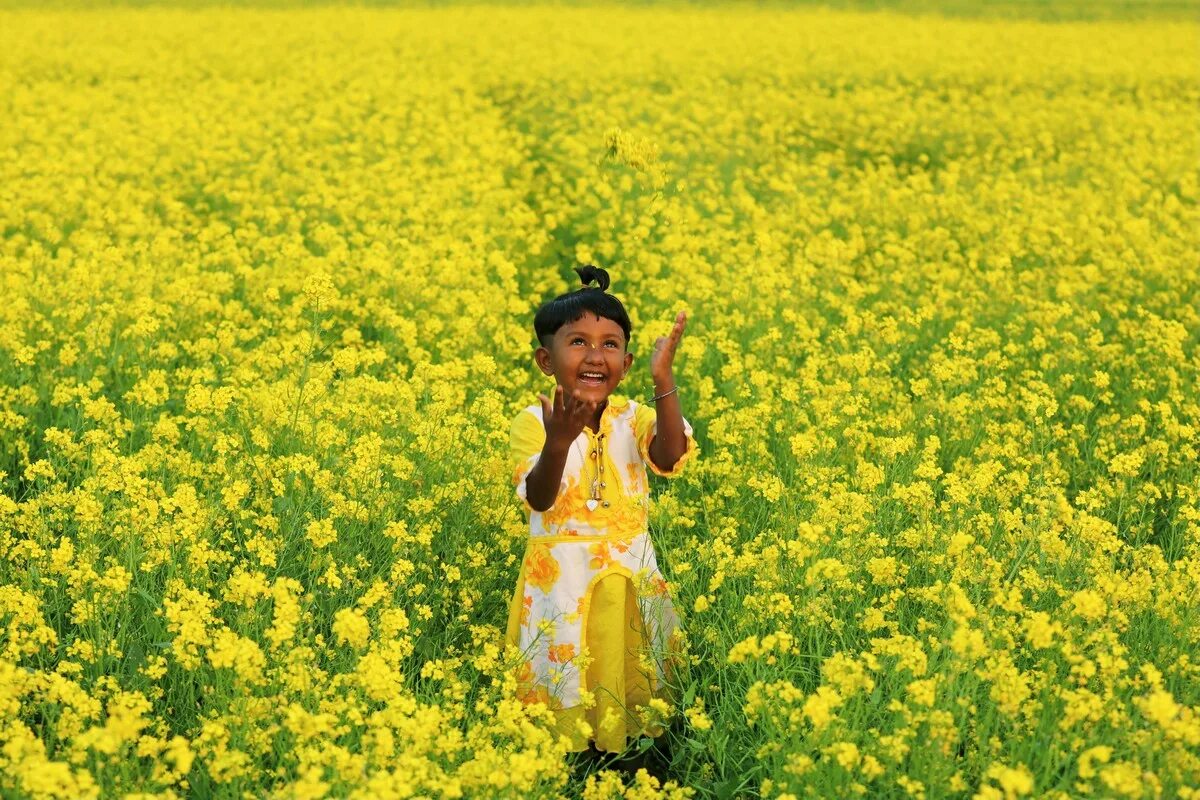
column 617, row 404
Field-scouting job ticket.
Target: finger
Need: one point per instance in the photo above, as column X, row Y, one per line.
column 582, row 407
column 680, row 324
column 558, row 400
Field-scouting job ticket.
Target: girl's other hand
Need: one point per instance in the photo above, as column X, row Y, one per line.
column 565, row 419
column 663, row 356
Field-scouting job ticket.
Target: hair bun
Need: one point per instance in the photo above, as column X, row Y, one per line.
column 589, row 273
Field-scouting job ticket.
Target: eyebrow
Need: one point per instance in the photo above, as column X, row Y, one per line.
column 576, row 332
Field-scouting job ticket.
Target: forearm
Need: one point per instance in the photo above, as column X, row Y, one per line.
column 670, row 440
column 542, row 483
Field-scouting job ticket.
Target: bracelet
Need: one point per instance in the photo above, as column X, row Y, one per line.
column 664, row 394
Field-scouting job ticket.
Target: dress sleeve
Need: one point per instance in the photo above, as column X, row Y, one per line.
column 526, row 439
column 645, row 426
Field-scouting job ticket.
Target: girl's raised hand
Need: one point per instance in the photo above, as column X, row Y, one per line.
column 565, row 419
column 663, row 356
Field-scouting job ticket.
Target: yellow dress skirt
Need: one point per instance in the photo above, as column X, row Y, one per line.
column 615, row 638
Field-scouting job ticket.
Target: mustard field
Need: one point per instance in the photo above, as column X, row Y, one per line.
column 268, row 279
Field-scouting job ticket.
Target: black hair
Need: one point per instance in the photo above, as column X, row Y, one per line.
column 568, row 307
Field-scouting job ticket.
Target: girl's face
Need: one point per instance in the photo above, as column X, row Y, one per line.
column 591, row 345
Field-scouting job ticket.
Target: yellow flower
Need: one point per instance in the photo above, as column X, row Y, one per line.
column 350, row 626
column 256, row 380
column 1088, row 604
column 696, row 716
column 321, row 533
column 821, row 705
column 1093, row 755
column 1013, row 782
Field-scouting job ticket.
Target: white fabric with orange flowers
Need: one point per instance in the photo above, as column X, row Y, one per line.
column 571, row 547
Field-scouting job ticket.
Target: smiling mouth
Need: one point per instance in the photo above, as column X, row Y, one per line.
column 594, row 379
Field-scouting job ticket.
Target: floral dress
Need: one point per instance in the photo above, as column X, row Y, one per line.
column 591, row 613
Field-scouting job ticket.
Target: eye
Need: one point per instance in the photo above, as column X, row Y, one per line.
column 614, row 344
column 576, row 339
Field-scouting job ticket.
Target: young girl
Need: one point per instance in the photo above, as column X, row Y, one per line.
column 591, row 613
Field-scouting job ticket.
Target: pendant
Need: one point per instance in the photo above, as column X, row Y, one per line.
column 592, row 503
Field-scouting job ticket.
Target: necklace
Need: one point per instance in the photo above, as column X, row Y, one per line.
column 598, row 483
